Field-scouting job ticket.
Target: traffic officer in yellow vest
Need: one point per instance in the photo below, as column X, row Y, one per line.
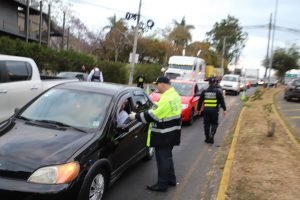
column 213, row 99
column 164, row 132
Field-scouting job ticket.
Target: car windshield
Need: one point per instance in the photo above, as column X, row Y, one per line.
column 297, row 82
column 202, row 85
column 67, row 74
column 75, row 108
column 229, row 78
column 183, row 89
column 184, row 67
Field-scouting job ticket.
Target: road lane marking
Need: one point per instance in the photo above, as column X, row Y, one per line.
column 290, row 110
column 288, row 132
column 294, row 117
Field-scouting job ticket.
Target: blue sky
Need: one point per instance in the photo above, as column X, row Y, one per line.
column 203, row 14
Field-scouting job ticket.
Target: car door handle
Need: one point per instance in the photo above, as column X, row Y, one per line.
column 135, row 137
column 3, row 91
column 34, row 88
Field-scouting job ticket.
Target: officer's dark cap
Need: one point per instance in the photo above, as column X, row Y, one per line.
column 162, row 79
column 212, row 80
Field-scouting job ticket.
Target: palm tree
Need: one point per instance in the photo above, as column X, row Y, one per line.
column 181, row 34
column 116, row 38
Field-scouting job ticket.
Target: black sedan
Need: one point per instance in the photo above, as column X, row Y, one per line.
column 292, row 90
column 66, row 143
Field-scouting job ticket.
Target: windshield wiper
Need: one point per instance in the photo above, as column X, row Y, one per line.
column 61, row 124
column 24, row 118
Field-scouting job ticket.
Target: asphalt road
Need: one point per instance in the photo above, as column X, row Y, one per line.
column 195, row 164
column 290, row 111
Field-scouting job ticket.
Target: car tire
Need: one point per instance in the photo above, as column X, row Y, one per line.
column 94, row 185
column 191, row 120
column 150, row 154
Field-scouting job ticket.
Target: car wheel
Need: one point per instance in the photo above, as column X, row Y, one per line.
column 150, row 154
column 191, row 120
column 94, row 185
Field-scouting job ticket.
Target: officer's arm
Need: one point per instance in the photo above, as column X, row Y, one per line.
column 221, row 100
column 201, row 99
column 152, row 114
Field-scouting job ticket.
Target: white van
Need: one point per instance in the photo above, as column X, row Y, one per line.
column 231, row 83
column 187, row 67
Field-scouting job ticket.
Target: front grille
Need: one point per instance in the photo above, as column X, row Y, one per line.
column 14, row 175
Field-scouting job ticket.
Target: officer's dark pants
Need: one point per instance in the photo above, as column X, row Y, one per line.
column 141, row 85
column 211, row 117
column 165, row 166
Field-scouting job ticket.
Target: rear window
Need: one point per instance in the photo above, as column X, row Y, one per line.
column 183, row 89
column 230, row 78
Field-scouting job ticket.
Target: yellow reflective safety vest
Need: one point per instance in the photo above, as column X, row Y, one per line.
column 165, row 118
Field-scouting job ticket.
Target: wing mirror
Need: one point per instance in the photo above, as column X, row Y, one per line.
column 122, row 128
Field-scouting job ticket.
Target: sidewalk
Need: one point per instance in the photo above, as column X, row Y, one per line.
column 258, row 166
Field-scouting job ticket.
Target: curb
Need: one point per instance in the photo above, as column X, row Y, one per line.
column 226, row 172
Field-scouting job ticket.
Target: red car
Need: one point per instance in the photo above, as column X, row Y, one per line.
column 189, row 94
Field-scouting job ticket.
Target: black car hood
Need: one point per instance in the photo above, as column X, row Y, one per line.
column 25, row 147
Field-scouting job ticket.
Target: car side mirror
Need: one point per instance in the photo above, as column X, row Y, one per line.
column 122, row 128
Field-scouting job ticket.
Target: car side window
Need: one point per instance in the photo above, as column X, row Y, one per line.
column 124, row 108
column 18, row 71
column 140, row 101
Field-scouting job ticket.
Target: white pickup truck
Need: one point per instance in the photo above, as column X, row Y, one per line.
column 20, row 81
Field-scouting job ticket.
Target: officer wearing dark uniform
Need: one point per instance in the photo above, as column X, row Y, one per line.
column 212, row 98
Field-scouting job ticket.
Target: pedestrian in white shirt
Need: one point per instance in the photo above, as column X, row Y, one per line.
column 95, row 75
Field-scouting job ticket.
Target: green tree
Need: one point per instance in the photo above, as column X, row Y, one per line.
column 116, row 39
column 284, row 60
column 235, row 38
column 181, row 34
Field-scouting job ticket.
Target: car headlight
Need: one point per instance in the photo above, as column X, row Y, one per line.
column 184, row 106
column 58, row 174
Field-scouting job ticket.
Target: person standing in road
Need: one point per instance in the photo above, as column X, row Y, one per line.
column 95, row 75
column 140, row 81
column 212, row 98
column 164, row 132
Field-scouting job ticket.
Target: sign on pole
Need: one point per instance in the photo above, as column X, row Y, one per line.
column 136, row 58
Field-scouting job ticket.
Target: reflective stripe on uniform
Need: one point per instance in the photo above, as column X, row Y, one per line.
column 210, row 101
column 143, row 118
column 210, row 105
column 165, row 130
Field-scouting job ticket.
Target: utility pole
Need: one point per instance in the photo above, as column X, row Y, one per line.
column 41, row 23
column 27, row 20
column 273, row 35
column 134, row 45
column 268, row 46
column 223, row 55
column 63, row 32
column 49, row 24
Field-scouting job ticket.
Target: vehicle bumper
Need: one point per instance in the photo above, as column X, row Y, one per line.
column 185, row 114
column 20, row 189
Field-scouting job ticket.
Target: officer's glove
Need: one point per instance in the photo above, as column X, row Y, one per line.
column 132, row 115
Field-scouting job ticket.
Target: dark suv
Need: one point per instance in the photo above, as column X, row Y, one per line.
column 292, row 89
column 66, row 144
